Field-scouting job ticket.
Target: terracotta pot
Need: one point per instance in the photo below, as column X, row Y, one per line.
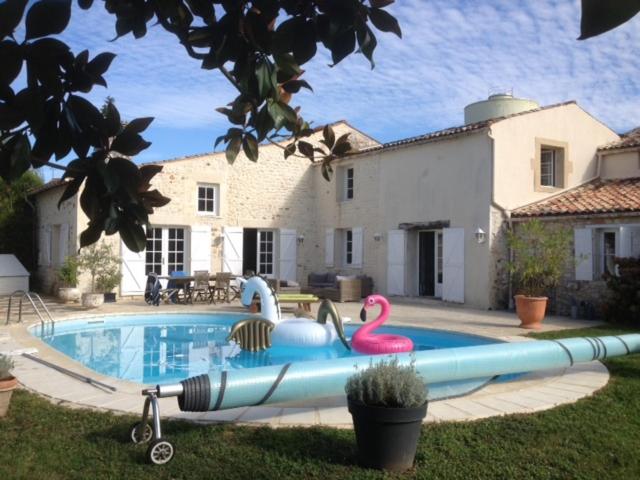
column 530, row 311
column 92, row 300
column 69, row 294
column 7, row 386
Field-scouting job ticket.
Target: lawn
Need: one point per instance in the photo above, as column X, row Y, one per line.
column 598, row 437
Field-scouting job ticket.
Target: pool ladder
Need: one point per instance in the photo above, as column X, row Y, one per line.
column 34, row 300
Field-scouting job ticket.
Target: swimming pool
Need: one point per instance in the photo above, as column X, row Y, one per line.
column 167, row 348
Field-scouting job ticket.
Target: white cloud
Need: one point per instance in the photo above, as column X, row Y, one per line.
column 453, row 52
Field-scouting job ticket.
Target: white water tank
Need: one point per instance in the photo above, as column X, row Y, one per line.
column 497, row 105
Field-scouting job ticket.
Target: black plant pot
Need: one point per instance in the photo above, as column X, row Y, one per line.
column 387, row 438
column 109, row 297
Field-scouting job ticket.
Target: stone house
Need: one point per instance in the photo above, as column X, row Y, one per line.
column 423, row 216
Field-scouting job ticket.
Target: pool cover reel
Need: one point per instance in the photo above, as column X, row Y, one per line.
column 305, row 380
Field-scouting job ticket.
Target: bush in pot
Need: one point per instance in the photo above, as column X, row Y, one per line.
column 68, row 280
column 7, row 383
column 108, row 279
column 540, row 257
column 99, row 261
column 387, row 402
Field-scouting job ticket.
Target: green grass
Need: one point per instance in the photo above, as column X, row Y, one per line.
column 595, row 438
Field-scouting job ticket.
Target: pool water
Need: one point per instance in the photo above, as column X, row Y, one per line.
column 167, row 348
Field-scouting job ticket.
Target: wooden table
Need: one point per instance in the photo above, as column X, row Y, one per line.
column 303, row 300
column 184, row 283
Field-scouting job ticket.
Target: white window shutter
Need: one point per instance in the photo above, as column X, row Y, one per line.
column 133, row 274
column 635, row 242
column 329, row 243
column 357, row 247
column 396, row 259
column 64, row 242
column 288, row 254
column 453, row 265
column 583, row 247
column 200, row 248
column 232, row 250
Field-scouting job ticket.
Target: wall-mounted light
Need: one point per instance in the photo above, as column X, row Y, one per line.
column 377, row 237
column 300, row 239
column 480, row 235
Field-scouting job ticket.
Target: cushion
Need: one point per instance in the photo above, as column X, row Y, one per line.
column 317, row 278
column 291, row 283
column 331, row 278
column 340, row 278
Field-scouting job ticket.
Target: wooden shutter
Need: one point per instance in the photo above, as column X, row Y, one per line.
column 200, row 248
column 329, row 241
column 396, row 261
column 357, row 247
column 232, row 250
column 453, row 265
column 288, row 254
column 133, row 274
column 583, row 248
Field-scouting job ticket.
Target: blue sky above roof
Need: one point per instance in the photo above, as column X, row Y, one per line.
column 453, row 52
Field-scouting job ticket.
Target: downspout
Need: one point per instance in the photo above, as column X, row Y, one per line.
column 506, row 214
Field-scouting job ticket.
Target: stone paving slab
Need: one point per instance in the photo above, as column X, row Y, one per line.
column 530, row 393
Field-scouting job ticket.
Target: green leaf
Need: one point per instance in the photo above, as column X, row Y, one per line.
column 72, row 188
column 289, row 150
column 91, row 234
column 287, row 63
column 100, row 63
column 367, row 43
column 85, row 4
column 329, row 136
column 306, row 149
column 384, row 21
column 10, row 15
column 47, row 17
column 327, row 170
column 265, row 74
column 281, row 113
column 15, row 156
column 343, row 45
column 138, row 125
column 293, row 86
column 11, row 62
column 304, row 45
column 250, row 147
column 600, row 16
column 132, row 234
column 233, row 148
column 113, row 121
column 380, row 3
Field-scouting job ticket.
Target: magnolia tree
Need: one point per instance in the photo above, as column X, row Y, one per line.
column 259, row 46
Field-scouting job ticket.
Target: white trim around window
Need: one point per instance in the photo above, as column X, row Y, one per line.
column 208, row 199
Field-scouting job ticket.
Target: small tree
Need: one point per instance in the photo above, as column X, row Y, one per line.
column 540, row 256
column 100, row 262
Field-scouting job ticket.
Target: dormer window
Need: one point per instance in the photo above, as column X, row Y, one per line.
column 551, row 166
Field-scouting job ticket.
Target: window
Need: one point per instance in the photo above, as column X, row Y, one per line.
column 348, row 244
column 176, row 250
column 439, row 258
column 208, row 199
column 548, row 168
column 348, row 184
column 608, row 249
column 153, row 253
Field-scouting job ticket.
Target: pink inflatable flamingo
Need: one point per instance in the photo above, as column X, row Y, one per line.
column 365, row 341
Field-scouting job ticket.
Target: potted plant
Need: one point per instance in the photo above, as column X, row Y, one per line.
column 540, row 257
column 99, row 261
column 387, row 402
column 68, row 280
column 7, row 383
column 108, row 279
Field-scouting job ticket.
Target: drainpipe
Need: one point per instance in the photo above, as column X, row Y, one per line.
column 506, row 215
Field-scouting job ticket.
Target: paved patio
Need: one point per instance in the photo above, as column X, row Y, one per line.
column 531, row 393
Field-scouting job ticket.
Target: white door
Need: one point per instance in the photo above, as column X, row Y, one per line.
column 453, row 265
column 133, row 270
column 288, row 254
column 200, row 248
column 396, row 259
column 232, row 250
column 266, row 253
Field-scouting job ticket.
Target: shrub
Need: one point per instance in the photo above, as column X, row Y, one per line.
column 6, row 364
column 541, row 255
column 387, row 385
column 623, row 302
column 68, row 272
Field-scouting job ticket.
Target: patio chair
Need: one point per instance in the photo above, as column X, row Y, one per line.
column 154, row 293
column 201, row 287
column 179, row 286
column 221, row 290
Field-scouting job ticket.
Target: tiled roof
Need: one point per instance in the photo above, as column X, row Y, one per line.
column 629, row 140
column 460, row 130
column 596, row 197
column 56, row 182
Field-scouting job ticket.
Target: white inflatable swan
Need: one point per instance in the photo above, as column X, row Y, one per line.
column 294, row 332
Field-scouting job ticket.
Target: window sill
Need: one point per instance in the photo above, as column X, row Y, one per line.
column 208, row 214
column 545, row 189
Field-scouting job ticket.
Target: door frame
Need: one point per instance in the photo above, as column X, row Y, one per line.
column 164, row 248
column 274, row 257
column 438, row 241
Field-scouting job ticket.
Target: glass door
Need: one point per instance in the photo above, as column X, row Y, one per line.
column 165, row 251
column 265, row 253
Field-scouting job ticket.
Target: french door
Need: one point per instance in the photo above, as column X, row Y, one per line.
column 430, row 247
column 266, row 241
column 165, row 251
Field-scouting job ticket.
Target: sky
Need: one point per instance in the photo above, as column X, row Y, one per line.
column 453, row 52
